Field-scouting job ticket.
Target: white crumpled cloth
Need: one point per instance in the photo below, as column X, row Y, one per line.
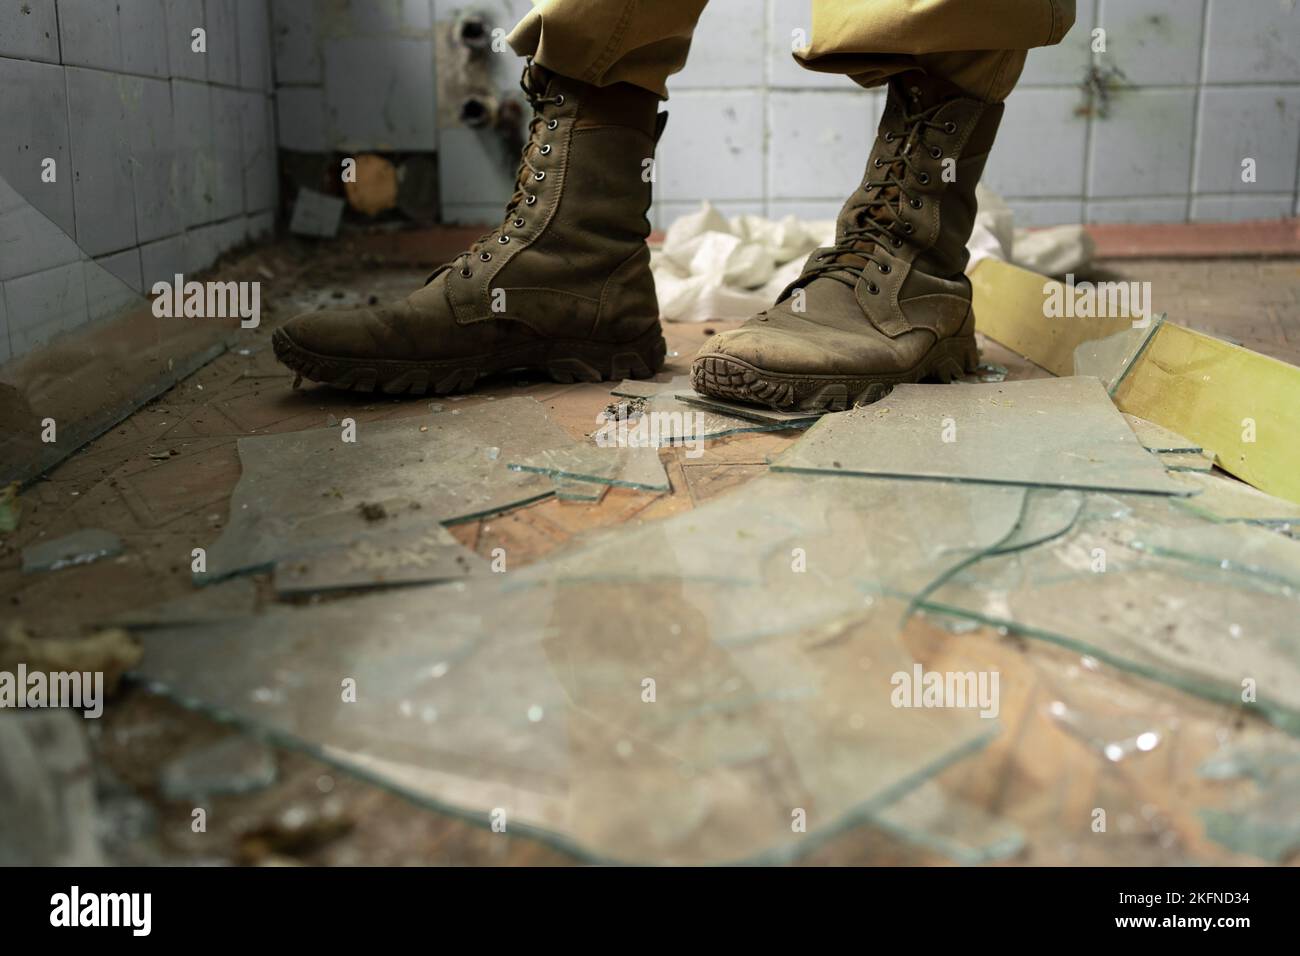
column 710, row 267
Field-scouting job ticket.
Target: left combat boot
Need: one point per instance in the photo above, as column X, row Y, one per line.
column 889, row 302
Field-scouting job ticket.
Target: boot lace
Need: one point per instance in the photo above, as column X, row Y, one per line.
column 526, row 174
column 876, row 222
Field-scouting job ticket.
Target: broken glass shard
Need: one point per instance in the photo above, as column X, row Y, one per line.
column 1158, row 438
column 1223, row 633
column 1111, row 358
column 930, row 818
column 236, row 597
column 80, row 547
column 417, row 554
column 1114, row 736
column 633, row 466
column 1226, row 499
column 1265, row 825
column 1264, row 821
column 1249, row 549
column 1057, row 432
column 312, row 491
column 235, row 765
column 753, row 413
column 671, row 692
column 1186, row 460
column 636, row 388
column 571, row 489
column 671, row 413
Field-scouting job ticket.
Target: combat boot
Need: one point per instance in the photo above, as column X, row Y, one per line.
column 889, row 302
column 563, row 285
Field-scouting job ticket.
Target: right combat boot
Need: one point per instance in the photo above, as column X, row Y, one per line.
column 562, row 286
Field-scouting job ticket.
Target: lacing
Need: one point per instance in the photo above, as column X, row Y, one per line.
column 526, row 173
column 877, row 221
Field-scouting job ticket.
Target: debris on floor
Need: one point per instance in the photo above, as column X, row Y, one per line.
column 1011, row 433
column 80, row 547
column 303, row 492
column 238, row 764
column 316, row 214
column 624, row 466
column 716, row 644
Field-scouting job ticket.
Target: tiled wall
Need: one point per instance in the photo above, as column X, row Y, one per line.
column 1209, row 83
column 355, row 74
column 164, row 157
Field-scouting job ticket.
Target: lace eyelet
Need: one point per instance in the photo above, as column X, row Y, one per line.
column 950, row 127
column 897, row 242
column 923, row 179
column 465, row 273
column 885, row 268
column 553, row 124
column 873, row 288
column 530, row 200
column 485, row 256
column 539, row 176
column 877, row 162
column 503, row 239
column 915, row 203
column 908, row 228
column 889, row 137
column 559, row 99
column 519, row 223
column 936, row 152
column 545, row 149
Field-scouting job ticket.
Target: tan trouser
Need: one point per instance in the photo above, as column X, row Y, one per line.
column 980, row 45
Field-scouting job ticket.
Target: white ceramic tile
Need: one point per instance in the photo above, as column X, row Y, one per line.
column 89, row 34
column 29, row 242
column 379, row 93
column 1143, row 147
column 1039, row 147
column 43, row 305
column 1259, row 123
column 1030, row 213
column 183, row 17
column 195, row 166
column 254, row 18
column 260, row 159
column 101, row 158
column 163, row 260
column 727, row 48
column 34, row 117
column 151, row 128
column 223, row 41
column 1154, row 42
column 1137, row 210
column 108, row 294
column 227, row 152
column 29, row 30
column 296, row 41
column 1253, row 42
column 818, row 142
column 144, row 37
column 712, row 147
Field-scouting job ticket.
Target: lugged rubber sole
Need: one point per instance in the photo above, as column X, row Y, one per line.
column 733, row 379
column 564, row 360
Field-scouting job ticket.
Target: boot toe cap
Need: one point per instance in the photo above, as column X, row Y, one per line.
column 774, row 350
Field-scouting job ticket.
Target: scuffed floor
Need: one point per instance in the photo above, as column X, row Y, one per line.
column 162, row 481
